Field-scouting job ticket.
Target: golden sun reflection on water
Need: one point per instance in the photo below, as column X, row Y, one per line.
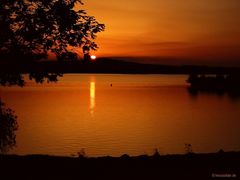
column 92, row 97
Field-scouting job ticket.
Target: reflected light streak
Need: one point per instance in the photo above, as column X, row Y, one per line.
column 92, row 97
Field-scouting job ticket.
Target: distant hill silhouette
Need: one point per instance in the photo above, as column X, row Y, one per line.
column 105, row 65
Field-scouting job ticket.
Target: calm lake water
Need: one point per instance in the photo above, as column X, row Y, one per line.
column 135, row 115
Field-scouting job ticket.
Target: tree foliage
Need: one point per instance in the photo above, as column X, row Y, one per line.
column 32, row 29
column 8, row 126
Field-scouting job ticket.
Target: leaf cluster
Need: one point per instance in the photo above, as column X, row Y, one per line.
column 33, row 29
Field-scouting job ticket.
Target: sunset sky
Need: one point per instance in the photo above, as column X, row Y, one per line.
column 197, row 30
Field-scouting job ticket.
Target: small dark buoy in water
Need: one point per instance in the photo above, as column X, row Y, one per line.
column 111, row 85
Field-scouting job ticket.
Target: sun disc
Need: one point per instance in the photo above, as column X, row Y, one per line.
column 93, row 57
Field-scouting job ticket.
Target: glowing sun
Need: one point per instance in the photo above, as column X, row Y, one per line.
column 93, row 57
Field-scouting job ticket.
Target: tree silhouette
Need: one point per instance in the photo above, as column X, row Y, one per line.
column 8, row 126
column 32, row 29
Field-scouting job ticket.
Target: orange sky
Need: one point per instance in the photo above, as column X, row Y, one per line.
column 195, row 29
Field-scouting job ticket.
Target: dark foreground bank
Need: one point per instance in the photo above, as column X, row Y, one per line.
column 191, row 166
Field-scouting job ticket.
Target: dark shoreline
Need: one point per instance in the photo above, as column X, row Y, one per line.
column 107, row 66
column 188, row 166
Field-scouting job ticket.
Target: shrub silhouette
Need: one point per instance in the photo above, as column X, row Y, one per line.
column 8, row 126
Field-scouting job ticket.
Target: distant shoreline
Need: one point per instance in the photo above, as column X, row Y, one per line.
column 106, row 66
